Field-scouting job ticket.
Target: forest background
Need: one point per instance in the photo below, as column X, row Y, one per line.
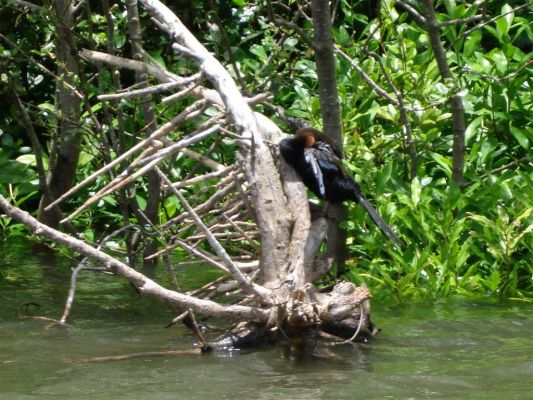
column 468, row 224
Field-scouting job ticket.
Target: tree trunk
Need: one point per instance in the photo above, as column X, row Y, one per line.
column 63, row 164
column 153, row 193
column 458, row 113
column 331, row 116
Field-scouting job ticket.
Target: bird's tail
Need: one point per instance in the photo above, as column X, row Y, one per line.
column 382, row 225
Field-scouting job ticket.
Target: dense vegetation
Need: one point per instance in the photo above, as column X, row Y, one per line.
column 469, row 237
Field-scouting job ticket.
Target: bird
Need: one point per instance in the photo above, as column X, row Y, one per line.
column 318, row 162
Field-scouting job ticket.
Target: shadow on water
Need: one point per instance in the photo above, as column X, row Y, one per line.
column 452, row 349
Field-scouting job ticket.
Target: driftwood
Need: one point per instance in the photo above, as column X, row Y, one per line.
column 262, row 239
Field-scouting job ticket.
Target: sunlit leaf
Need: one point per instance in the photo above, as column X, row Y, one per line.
column 503, row 24
column 260, row 52
column 27, row 159
column 47, row 106
column 450, row 7
column 472, row 43
column 500, row 61
column 521, row 135
column 416, row 189
column 472, row 129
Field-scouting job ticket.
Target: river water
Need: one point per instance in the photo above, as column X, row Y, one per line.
column 450, row 349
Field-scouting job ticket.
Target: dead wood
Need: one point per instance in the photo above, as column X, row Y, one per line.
column 252, row 208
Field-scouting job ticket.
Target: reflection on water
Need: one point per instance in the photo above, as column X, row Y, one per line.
column 445, row 350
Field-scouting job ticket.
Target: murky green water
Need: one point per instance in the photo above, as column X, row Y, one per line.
column 452, row 349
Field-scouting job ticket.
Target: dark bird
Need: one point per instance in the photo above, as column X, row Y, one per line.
column 317, row 160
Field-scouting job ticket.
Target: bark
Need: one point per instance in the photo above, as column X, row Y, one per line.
column 153, row 192
column 331, row 116
column 266, row 187
column 458, row 113
column 63, row 164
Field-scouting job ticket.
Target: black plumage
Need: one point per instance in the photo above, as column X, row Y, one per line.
column 318, row 162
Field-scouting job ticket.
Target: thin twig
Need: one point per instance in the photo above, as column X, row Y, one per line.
column 150, row 162
column 250, row 287
column 282, row 23
column 83, row 265
column 460, row 21
column 404, row 116
column 526, row 160
column 366, row 77
column 42, row 67
column 144, row 355
column 361, row 317
column 181, row 94
column 482, row 24
column 413, row 12
column 149, row 90
column 163, row 130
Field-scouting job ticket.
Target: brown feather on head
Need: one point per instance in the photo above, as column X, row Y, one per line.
column 309, row 134
column 313, row 135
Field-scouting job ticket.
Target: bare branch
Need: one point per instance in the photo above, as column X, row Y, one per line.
column 460, row 21
column 290, row 25
column 142, row 283
column 191, row 111
column 367, row 78
column 413, row 12
column 81, row 266
column 120, row 62
column 261, row 292
column 150, row 90
column 149, row 163
column 525, row 160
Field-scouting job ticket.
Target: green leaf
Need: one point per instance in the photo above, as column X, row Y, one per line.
column 450, row 7
column 464, row 253
column 521, row 135
column 47, row 107
column 156, row 55
column 506, row 192
column 260, row 52
column 383, row 177
column 443, row 162
column 487, row 223
column 472, row 43
column 472, row 129
column 503, row 24
column 388, row 112
column 500, row 61
column 416, row 189
column 27, row 159
column 141, row 201
column 85, row 158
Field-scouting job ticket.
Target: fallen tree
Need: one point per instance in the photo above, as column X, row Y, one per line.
column 257, row 200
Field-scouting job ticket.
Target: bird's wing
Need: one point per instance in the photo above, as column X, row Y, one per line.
column 311, row 158
column 327, row 159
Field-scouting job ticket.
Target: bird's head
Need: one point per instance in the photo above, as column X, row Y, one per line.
column 309, row 135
